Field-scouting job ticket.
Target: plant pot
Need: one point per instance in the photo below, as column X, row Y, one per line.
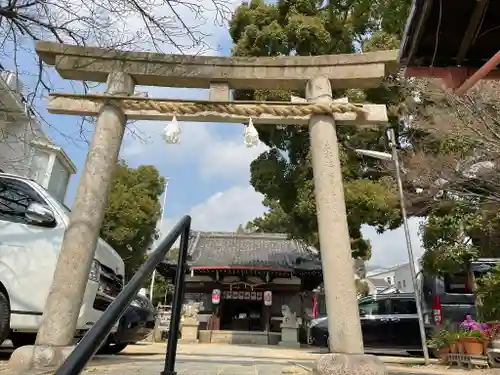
column 460, row 346
column 454, row 347
column 443, row 355
column 473, row 346
column 486, row 344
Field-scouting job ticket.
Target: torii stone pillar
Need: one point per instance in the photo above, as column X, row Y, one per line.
column 346, row 343
column 62, row 309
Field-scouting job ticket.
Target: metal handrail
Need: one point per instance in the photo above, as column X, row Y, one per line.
column 94, row 338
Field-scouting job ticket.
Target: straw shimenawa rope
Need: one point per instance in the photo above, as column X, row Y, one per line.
column 239, row 109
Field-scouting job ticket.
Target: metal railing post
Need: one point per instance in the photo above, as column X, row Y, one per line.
column 99, row 332
column 175, row 319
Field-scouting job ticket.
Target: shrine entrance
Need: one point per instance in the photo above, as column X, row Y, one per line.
column 242, row 315
column 122, row 71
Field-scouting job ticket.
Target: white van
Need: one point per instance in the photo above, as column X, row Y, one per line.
column 32, row 225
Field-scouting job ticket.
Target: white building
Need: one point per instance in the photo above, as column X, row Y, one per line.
column 403, row 277
column 25, row 149
column 386, row 274
column 398, row 276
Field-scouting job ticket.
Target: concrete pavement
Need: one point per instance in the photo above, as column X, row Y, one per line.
column 212, row 359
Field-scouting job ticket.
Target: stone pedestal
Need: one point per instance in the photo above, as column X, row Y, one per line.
column 349, row 364
column 38, row 358
column 189, row 331
column 289, row 336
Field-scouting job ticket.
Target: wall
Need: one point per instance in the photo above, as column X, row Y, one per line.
column 388, row 276
column 15, row 149
column 402, row 277
column 20, row 128
column 59, row 180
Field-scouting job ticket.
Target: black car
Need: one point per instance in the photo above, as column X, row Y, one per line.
column 137, row 323
column 448, row 298
column 388, row 321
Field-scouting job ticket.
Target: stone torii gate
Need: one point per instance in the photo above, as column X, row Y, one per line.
column 122, row 71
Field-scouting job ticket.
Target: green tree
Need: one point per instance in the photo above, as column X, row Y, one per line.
column 163, row 290
column 132, row 213
column 453, row 159
column 284, row 173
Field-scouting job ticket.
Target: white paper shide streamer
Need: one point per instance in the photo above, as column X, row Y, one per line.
column 172, row 132
column 251, row 135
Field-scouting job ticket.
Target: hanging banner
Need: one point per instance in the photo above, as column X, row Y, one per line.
column 216, row 296
column 315, row 307
column 268, row 298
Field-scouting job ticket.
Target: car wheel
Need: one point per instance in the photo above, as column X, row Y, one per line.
column 22, row 339
column 4, row 317
column 113, row 348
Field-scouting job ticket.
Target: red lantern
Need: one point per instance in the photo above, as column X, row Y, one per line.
column 216, row 296
column 268, row 298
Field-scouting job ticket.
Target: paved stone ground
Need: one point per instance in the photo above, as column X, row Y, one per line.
column 215, row 359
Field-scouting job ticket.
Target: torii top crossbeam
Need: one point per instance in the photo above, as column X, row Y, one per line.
column 156, row 69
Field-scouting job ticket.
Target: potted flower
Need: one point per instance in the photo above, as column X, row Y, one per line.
column 474, row 337
column 456, row 345
column 492, row 336
column 473, row 342
column 441, row 341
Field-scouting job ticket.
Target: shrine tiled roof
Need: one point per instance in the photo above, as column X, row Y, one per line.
column 265, row 251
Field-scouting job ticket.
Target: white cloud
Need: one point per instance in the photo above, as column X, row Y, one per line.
column 228, row 158
column 223, row 211
column 216, row 156
column 390, row 248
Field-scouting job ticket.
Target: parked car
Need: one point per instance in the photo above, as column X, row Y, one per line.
column 32, row 225
column 449, row 298
column 388, row 321
column 137, row 323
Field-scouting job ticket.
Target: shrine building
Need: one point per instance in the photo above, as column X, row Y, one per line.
column 243, row 280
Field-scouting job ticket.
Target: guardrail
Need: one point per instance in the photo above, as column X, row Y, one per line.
column 92, row 341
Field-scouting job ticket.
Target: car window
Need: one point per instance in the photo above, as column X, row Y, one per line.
column 15, row 197
column 403, row 306
column 457, row 283
column 373, row 307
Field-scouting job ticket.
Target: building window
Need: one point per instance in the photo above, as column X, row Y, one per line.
column 39, row 165
column 59, row 180
column 404, row 283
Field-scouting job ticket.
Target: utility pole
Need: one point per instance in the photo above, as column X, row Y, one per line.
column 152, row 286
column 394, row 157
column 409, row 247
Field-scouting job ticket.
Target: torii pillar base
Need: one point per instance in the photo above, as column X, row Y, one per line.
column 349, row 364
column 35, row 359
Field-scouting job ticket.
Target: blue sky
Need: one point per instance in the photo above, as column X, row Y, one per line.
column 208, row 171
